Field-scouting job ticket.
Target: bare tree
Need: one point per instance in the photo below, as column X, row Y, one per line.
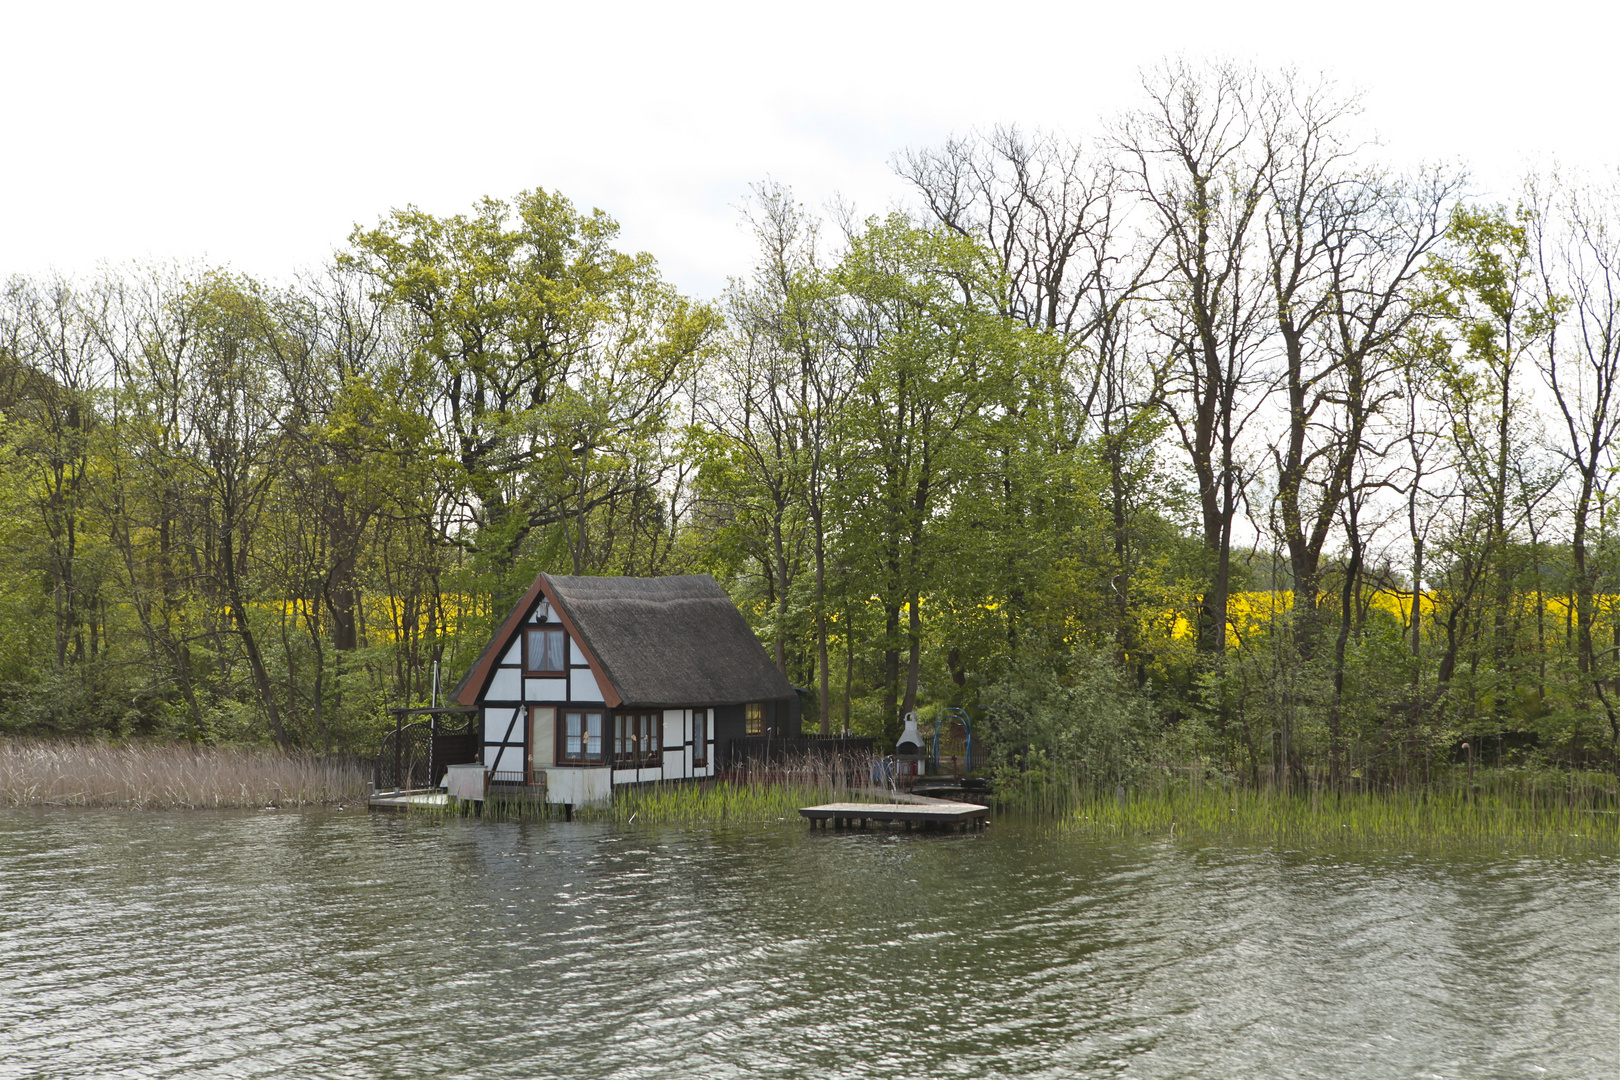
column 1576, row 238
column 1345, row 247
column 1200, row 155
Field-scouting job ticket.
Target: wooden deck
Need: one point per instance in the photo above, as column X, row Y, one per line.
column 929, row 815
column 408, row 800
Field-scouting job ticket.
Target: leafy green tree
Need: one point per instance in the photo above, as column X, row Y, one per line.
column 1484, row 285
column 548, row 360
column 936, row 369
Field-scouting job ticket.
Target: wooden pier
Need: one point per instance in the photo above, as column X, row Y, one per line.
column 416, row 799
column 928, row 815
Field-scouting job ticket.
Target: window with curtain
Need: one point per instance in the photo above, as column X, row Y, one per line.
column 543, row 651
column 581, row 738
column 635, row 739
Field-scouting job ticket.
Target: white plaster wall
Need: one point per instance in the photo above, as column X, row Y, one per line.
column 514, row 655
column 495, row 721
column 584, row 686
column 545, row 689
column 511, row 761
column 677, row 759
column 507, row 685
column 636, row 776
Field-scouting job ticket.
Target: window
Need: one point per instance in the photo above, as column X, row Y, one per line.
column 754, row 715
column 635, row 739
column 700, row 737
column 543, row 651
column 580, row 738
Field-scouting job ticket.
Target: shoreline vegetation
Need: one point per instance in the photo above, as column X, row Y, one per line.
column 1521, row 810
column 1529, row 811
column 1564, row 816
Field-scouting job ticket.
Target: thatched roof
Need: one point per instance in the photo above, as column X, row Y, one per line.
column 657, row 641
column 669, row 641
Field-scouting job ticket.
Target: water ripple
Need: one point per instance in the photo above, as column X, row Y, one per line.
column 341, row 945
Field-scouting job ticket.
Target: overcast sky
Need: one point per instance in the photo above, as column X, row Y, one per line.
column 258, row 135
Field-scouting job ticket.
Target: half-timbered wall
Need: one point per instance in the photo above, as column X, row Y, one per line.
column 506, row 710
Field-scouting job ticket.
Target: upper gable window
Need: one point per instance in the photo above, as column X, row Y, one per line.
column 544, row 651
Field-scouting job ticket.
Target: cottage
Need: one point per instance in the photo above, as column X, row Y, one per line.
column 594, row 682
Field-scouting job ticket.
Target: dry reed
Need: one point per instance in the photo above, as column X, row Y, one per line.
column 161, row 777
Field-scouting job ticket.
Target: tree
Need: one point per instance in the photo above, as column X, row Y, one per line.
column 556, row 357
column 1484, row 284
column 1575, row 234
column 934, row 370
column 52, row 382
column 1199, row 156
column 1048, row 219
column 1345, row 250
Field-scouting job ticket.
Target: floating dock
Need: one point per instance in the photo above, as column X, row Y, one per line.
column 929, row 815
column 423, row 799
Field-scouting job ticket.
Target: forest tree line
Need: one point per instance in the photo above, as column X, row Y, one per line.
column 1209, row 436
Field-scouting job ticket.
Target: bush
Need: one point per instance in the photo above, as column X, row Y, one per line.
column 1068, row 721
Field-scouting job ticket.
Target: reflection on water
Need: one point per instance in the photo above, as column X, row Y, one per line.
column 337, row 944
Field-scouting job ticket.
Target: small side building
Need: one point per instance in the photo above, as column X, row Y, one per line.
column 595, row 682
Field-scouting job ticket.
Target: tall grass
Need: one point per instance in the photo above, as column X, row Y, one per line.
column 1566, row 814
column 166, row 776
column 753, row 793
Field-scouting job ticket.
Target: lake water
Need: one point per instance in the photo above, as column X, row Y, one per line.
column 337, row 944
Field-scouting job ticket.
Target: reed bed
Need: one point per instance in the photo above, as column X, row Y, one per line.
column 137, row 776
column 719, row 802
column 752, row 793
column 1421, row 821
column 755, row 792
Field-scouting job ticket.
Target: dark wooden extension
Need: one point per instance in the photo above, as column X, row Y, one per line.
column 934, row 815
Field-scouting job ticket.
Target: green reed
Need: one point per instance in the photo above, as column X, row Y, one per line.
column 711, row 803
column 754, row 793
column 1552, row 814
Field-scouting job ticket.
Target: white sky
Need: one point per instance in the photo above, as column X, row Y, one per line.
column 258, row 135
